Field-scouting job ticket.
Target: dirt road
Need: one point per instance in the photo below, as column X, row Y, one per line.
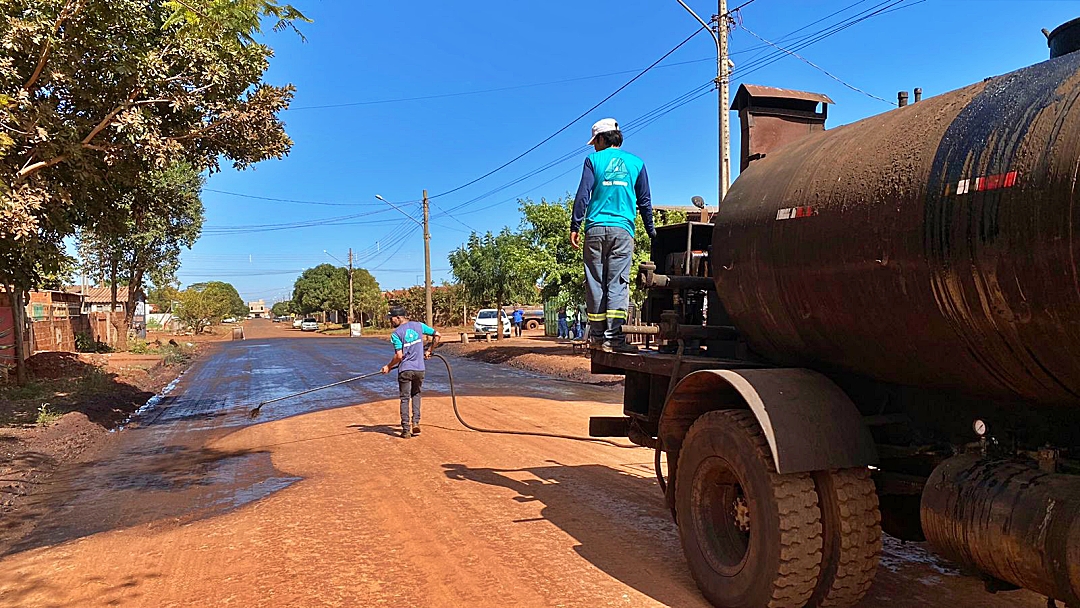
column 317, row 503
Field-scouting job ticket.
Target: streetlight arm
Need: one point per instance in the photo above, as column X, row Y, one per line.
column 703, row 24
column 333, row 256
column 399, row 209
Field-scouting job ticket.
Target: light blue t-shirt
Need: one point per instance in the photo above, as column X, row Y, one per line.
column 408, row 339
column 614, row 188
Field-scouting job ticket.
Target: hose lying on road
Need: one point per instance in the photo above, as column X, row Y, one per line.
column 457, row 413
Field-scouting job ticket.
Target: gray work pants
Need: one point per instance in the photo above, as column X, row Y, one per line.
column 608, row 254
column 409, row 383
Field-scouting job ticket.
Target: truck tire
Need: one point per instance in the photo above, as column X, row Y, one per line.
column 851, row 530
column 751, row 536
column 532, row 324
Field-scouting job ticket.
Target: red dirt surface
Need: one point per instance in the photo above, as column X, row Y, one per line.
column 533, row 352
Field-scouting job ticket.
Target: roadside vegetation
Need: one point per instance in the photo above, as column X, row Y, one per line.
column 111, row 111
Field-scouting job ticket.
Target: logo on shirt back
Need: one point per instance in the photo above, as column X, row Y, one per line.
column 616, row 174
column 411, row 337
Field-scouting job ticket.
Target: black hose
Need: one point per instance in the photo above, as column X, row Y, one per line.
column 457, row 414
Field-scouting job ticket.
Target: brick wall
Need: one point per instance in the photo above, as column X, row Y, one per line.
column 58, row 334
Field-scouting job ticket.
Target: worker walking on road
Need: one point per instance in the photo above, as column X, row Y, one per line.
column 614, row 188
column 409, row 356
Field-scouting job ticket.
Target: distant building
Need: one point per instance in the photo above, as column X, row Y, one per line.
column 258, row 310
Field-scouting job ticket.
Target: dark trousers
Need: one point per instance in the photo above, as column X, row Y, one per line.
column 409, row 383
column 517, row 328
column 608, row 254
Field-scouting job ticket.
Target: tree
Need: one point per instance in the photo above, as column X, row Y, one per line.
column 204, row 304
column 326, row 287
column 163, row 296
column 447, row 301
column 160, row 216
column 497, row 269
column 546, row 226
column 282, row 309
column 95, row 94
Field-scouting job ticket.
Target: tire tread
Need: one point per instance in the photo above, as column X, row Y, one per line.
column 859, row 548
column 800, row 516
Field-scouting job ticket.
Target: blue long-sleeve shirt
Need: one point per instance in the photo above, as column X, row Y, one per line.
column 612, row 194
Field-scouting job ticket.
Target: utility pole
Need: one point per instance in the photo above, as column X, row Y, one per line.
column 718, row 30
column 427, row 265
column 427, row 252
column 722, row 81
column 350, row 288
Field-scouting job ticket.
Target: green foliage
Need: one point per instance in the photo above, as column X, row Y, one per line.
column 163, row 296
column 46, row 416
column 153, row 221
column 205, row 304
column 447, row 301
column 31, row 390
column 326, row 287
column 95, row 380
column 138, row 346
column 85, row 343
column 282, row 309
column 546, row 226
column 94, row 95
column 497, row 269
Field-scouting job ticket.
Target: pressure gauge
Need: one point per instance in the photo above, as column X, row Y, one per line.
column 980, row 428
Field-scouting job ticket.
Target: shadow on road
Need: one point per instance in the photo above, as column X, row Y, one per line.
column 607, row 511
column 140, row 486
column 385, row 429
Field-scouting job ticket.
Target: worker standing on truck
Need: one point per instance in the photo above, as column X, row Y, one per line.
column 614, row 188
column 409, row 355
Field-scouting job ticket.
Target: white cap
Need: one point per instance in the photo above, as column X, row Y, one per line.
column 603, row 126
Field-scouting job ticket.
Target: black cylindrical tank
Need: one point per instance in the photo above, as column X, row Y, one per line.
column 935, row 245
column 1009, row 520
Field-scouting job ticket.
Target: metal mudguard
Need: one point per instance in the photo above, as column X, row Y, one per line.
column 810, row 424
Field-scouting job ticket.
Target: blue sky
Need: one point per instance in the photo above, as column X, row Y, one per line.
column 552, row 61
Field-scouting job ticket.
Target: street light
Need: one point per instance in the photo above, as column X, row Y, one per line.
column 427, row 253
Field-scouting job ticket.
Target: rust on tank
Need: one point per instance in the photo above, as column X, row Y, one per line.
column 968, row 196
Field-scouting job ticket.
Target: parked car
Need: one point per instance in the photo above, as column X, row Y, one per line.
column 486, row 322
column 297, row 322
column 229, row 320
column 309, row 324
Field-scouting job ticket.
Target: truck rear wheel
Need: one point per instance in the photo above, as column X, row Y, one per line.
column 752, row 537
column 532, row 324
column 851, row 527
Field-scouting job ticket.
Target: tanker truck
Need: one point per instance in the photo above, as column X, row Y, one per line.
column 879, row 330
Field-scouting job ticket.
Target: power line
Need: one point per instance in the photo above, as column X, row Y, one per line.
column 816, row 66
column 572, row 122
column 813, row 38
column 657, row 113
column 630, row 127
column 289, row 200
column 514, row 87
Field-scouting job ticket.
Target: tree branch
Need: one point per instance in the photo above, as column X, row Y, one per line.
column 38, row 166
column 200, row 131
column 71, row 9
